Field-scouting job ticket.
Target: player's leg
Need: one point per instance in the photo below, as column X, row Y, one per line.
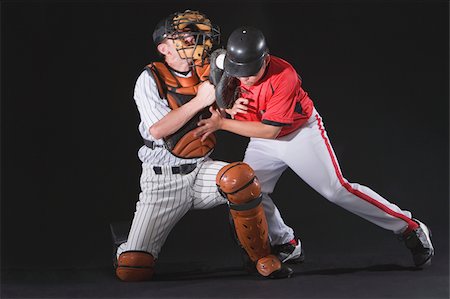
column 238, row 183
column 310, row 154
column 261, row 155
column 164, row 199
column 206, row 194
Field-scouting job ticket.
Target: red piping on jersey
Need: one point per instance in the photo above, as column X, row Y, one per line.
column 411, row 224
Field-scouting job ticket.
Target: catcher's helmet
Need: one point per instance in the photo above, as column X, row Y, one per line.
column 180, row 25
column 246, row 51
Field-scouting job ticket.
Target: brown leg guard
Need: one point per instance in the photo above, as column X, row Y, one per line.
column 252, row 232
column 238, row 183
column 135, row 266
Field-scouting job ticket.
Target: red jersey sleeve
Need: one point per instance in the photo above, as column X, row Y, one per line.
column 281, row 105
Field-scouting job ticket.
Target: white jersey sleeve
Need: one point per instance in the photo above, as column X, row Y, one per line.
column 151, row 107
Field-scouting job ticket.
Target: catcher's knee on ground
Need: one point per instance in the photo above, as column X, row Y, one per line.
column 135, row 266
column 238, row 183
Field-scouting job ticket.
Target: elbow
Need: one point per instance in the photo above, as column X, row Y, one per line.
column 269, row 131
column 269, row 135
column 272, row 135
column 156, row 132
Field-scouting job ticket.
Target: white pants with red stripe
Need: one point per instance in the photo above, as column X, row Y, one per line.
column 308, row 152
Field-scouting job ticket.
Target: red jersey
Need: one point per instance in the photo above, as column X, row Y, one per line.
column 277, row 98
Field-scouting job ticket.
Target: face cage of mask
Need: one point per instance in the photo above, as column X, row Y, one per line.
column 195, row 23
column 195, row 46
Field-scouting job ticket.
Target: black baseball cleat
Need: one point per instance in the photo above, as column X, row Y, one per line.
column 419, row 242
column 291, row 252
column 283, row 272
column 266, row 266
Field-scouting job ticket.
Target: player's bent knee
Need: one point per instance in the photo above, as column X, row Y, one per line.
column 135, row 266
column 238, row 183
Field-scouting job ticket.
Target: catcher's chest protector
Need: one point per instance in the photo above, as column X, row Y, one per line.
column 179, row 91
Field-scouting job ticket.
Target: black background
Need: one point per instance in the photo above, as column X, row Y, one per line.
column 376, row 70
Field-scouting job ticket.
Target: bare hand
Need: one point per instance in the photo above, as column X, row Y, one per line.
column 206, row 93
column 210, row 125
column 239, row 106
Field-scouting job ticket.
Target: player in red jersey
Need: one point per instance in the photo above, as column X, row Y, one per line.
column 287, row 109
column 286, row 130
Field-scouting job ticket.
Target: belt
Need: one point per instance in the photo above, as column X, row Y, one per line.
column 182, row 169
column 152, row 145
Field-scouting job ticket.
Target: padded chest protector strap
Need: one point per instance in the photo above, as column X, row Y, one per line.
column 178, row 91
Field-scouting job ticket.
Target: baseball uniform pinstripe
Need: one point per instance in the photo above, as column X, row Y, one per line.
column 165, row 197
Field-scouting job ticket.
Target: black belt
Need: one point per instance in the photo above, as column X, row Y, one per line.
column 182, row 169
column 152, row 145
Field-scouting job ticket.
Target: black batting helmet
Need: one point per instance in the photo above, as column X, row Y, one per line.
column 246, row 51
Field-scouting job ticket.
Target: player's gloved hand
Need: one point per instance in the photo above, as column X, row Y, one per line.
column 209, row 125
column 206, row 94
column 227, row 90
column 216, row 66
column 240, row 106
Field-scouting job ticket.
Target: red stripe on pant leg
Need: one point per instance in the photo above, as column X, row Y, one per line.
column 346, row 185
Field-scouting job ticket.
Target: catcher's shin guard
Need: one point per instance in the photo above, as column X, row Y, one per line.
column 135, row 266
column 238, row 183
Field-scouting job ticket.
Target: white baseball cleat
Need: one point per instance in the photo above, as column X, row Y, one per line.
column 291, row 252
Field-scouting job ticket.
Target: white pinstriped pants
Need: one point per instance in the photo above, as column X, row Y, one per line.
column 308, row 152
column 165, row 198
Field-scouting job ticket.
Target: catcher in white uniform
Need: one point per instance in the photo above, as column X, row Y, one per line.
column 286, row 130
column 177, row 175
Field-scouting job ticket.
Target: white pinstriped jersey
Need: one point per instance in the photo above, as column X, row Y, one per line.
column 165, row 197
column 151, row 109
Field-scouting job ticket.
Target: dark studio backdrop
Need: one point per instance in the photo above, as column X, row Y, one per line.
column 376, row 70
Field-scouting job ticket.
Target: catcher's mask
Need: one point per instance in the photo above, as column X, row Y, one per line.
column 246, row 52
column 192, row 33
